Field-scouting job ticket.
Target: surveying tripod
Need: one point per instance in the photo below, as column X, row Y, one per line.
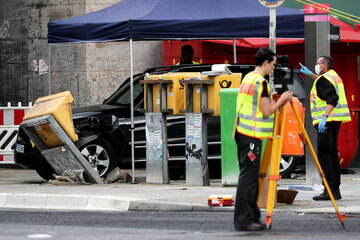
column 271, row 159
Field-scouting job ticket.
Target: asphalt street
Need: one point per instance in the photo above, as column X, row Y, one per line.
column 19, row 224
column 24, row 189
column 31, row 208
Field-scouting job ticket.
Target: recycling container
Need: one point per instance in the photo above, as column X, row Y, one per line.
column 292, row 144
column 229, row 163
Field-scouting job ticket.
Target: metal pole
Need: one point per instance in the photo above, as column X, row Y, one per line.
column 132, row 110
column 317, row 43
column 234, row 50
column 272, row 29
column 272, row 41
column 49, row 69
column 165, row 159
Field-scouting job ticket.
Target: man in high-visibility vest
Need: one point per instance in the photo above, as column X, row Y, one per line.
column 187, row 55
column 329, row 109
column 254, row 121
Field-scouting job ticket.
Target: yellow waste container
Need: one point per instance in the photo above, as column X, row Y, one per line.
column 59, row 106
column 220, row 82
column 292, row 144
column 175, row 92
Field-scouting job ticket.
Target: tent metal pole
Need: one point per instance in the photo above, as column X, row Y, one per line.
column 49, row 69
column 272, row 29
column 234, row 50
column 272, row 41
column 132, row 109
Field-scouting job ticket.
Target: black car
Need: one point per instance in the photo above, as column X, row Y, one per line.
column 104, row 130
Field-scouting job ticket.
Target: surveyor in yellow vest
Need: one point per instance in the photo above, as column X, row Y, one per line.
column 254, row 122
column 187, row 55
column 329, row 109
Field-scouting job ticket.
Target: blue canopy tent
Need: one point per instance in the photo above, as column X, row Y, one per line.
column 174, row 19
column 171, row 19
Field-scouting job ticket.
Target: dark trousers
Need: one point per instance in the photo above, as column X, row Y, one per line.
column 249, row 154
column 327, row 146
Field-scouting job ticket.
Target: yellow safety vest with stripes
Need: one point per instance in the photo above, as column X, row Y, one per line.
column 318, row 106
column 193, row 62
column 251, row 121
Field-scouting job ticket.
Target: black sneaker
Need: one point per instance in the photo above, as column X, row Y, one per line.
column 254, row 227
column 337, row 194
column 261, row 223
column 325, row 196
column 322, row 197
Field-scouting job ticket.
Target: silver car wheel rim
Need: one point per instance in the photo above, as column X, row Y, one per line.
column 97, row 157
column 285, row 163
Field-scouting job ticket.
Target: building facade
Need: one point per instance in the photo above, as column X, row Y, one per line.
column 91, row 71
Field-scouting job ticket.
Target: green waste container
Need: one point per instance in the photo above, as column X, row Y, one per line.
column 229, row 163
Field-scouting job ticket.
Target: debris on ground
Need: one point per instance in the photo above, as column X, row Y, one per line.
column 69, row 177
column 117, row 176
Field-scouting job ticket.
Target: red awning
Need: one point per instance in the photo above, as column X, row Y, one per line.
column 257, row 42
column 347, row 34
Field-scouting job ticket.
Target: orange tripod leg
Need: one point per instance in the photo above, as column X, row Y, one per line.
column 275, row 163
column 307, row 139
column 264, row 166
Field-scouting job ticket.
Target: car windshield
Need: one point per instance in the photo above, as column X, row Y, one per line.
column 124, row 97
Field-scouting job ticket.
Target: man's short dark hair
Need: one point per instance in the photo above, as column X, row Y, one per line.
column 329, row 62
column 264, row 54
column 187, row 49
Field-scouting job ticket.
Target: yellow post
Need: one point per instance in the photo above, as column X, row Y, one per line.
column 275, row 162
column 264, row 166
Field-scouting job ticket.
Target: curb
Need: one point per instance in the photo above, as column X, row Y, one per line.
column 65, row 202
column 97, row 203
column 176, row 207
column 112, row 203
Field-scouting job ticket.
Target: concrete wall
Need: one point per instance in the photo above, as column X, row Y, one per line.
column 91, row 71
column 108, row 65
column 13, row 53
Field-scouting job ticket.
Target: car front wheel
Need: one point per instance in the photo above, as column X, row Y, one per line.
column 100, row 154
column 288, row 165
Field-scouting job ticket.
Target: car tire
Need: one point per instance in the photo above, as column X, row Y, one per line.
column 45, row 171
column 101, row 156
column 288, row 165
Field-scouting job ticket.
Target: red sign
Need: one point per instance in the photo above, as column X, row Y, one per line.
column 317, row 8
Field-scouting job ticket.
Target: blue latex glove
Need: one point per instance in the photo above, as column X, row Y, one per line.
column 321, row 127
column 305, row 70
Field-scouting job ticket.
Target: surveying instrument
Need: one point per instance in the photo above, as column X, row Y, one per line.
column 271, row 162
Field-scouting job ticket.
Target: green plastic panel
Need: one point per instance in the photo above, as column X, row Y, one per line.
column 229, row 163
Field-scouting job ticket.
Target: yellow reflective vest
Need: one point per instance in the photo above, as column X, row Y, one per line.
column 193, row 62
column 318, row 106
column 251, row 121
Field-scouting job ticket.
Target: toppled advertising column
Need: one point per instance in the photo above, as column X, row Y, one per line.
column 50, row 127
